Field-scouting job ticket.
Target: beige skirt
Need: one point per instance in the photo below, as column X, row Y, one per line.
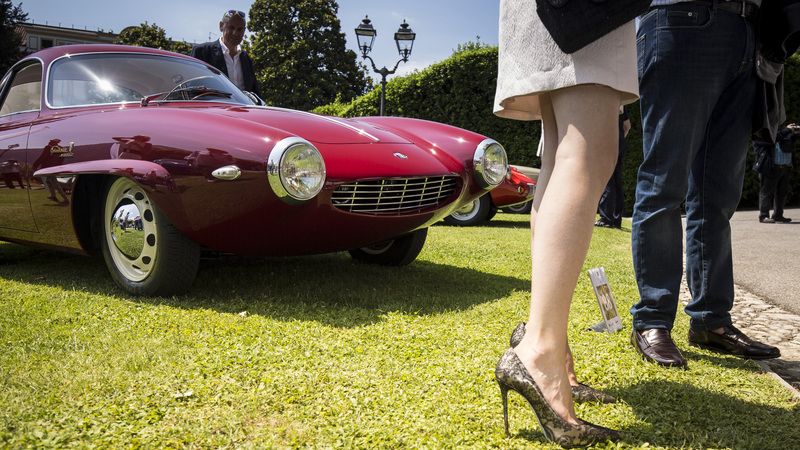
column 530, row 63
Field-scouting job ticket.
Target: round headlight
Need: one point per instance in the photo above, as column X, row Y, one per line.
column 491, row 163
column 296, row 170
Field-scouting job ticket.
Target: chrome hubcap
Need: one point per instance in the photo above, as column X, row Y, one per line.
column 130, row 229
column 467, row 211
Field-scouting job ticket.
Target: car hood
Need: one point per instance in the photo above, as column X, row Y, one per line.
column 313, row 127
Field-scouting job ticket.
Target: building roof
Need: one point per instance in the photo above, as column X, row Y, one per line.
column 38, row 36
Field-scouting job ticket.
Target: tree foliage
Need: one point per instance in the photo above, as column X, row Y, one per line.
column 300, row 56
column 471, row 46
column 153, row 36
column 10, row 40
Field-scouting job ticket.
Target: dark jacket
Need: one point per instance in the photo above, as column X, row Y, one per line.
column 211, row 52
column 779, row 38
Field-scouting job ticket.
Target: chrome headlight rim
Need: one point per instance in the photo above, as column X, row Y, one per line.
column 283, row 184
column 491, row 163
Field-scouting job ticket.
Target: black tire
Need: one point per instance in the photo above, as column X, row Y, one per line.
column 397, row 252
column 471, row 213
column 149, row 256
column 492, row 212
column 522, row 208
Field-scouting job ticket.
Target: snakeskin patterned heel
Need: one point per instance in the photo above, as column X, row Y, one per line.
column 512, row 375
column 580, row 393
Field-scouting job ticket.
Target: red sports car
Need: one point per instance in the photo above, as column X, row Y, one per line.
column 149, row 157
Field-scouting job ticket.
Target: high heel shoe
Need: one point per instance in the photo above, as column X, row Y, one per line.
column 512, row 375
column 580, row 393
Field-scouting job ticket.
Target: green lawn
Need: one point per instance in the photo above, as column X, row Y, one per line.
column 321, row 352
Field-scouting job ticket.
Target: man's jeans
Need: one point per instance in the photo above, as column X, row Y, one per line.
column 697, row 86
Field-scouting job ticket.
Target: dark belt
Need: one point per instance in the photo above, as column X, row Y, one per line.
column 740, row 7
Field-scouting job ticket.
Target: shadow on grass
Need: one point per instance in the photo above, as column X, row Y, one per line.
column 331, row 289
column 516, row 224
column 682, row 415
column 694, row 354
column 494, row 223
column 786, row 369
column 718, row 406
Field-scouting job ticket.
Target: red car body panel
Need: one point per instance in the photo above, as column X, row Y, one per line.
column 172, row 148
column 516, row 189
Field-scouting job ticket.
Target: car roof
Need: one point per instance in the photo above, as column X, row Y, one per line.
column 49, row 54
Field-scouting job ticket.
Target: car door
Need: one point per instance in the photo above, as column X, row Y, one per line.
column 20, row 104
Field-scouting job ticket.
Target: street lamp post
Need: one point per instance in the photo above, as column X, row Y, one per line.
column 404, row 38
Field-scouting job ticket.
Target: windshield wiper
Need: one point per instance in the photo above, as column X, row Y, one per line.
column 200, row 91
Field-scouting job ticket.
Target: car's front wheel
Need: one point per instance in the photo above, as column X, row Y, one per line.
column 472, row 213
column 144, row 252
column 396, row 252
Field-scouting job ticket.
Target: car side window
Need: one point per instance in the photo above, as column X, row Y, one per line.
column 23, row 91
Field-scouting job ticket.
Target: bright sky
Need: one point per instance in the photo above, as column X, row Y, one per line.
column 440, row 25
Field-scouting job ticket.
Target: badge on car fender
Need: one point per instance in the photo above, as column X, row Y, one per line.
column 61, row 151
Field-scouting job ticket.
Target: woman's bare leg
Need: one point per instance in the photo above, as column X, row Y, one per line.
column 581, row 138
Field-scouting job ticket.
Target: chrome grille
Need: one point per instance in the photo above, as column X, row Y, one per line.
column 394, row 196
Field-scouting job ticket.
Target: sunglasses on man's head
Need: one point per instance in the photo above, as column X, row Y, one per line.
column 232, row 13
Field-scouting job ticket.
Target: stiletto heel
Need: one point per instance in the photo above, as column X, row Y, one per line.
column 512, row 375
column 504, row 395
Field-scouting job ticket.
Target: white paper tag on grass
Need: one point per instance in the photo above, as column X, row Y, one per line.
column 605, row 299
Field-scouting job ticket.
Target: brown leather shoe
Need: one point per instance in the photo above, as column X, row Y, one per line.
column 732, row 342
column 656, row 345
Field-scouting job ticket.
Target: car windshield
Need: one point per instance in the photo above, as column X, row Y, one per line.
column 108, row 78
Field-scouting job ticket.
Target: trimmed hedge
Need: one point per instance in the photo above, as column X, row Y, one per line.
column 460, row 91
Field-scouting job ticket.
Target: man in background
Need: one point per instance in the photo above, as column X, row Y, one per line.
column 226, row 54
column 612, row 202
column 775, row 182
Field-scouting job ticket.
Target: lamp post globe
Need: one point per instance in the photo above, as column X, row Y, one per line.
column 365, row 35
column 404, row 38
